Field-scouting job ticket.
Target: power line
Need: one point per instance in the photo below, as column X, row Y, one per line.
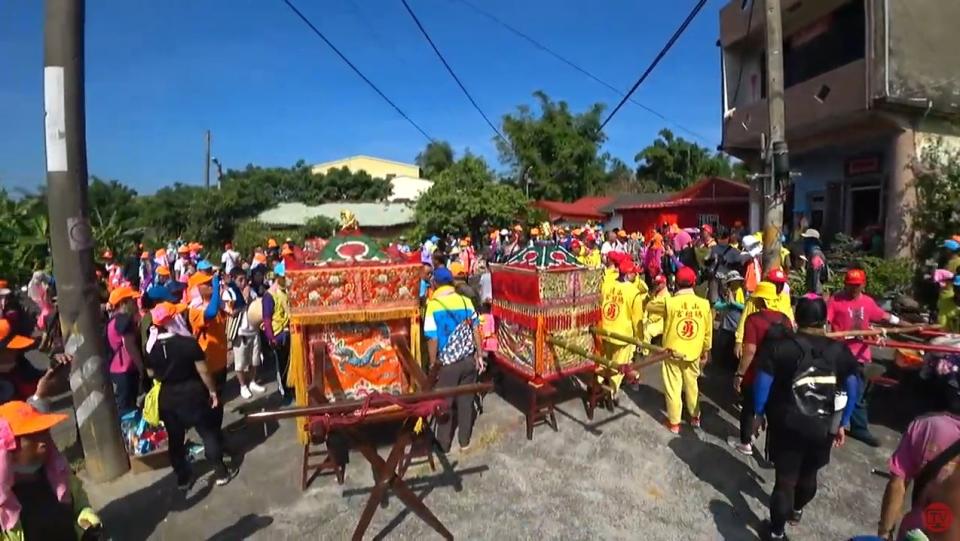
column 663, row 52
column 450, row 70
column 356, row 70
column 580, row 69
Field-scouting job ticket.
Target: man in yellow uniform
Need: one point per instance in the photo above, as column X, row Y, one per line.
column 781, row 304
column 653, row 326
column 688, row 333
column 622, row 314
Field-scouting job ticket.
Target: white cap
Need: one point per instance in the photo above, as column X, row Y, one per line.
column 811, row 234
column 504, row 232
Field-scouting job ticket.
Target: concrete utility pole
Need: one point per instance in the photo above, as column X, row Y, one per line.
column 72, row 240
column 778, row 167
column 206, row 164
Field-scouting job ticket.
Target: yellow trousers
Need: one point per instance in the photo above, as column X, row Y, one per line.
column 619, row 354
column 681, row 377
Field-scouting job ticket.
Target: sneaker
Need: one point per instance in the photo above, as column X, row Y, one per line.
column 672, row 427
column 795, row 516
column 225, row 478
column 464, row 448
column 695, row 422
column 245, row 392
column 743, row 449
column 257, row 388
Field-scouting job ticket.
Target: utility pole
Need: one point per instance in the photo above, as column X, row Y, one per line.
column 206, row 164
column 777, row 162
column 72, row 240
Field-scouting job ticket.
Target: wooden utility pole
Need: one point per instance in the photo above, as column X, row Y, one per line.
column 78, row 297
column 206, row 164
column 778, row 167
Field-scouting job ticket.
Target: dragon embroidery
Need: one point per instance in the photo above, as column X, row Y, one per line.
column 348, row 356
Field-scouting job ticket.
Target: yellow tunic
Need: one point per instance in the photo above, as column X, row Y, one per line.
column 653, row 326
column 688, row 323
column 782, row 305
column 622, row 309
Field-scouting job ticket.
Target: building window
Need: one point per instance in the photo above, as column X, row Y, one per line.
column 712, row 219
column 832, row 41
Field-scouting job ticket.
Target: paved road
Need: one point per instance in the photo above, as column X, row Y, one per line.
column 621, row 476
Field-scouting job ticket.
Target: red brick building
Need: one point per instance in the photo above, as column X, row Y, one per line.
column 711, row 200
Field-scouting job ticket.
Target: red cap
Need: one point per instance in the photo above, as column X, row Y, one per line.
column 626, row 266
column 660, row 279
column 616, row 257
column 686, row 277
column 777, row 276
column 855, row 277
column 708, row 228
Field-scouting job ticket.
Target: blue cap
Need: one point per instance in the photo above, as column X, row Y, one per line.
column 442, row 276
column 956, row 280
column 176, row 288
column 434, row 238
column 203, row 264
column 280, row 269
column 160, row 294
column 951, row 245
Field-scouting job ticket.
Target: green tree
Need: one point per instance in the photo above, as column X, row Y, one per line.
column 345, row 185
column 465, row 198
column 557, row 152
column 113, row 197
column 436, row 158
column 24, row 234
column 936, row 214
column 674, row 163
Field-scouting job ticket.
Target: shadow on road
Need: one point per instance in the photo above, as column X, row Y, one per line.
column 728, row 475
column 246, row 526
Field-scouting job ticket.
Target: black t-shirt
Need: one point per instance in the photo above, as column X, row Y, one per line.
column 173, row 361
column 725, row 258
column 778, row 356
column 42, row 515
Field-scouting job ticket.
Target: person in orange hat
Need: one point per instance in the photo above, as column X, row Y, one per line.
column 189, row 396
column 19, row 380
column 622, row 311
column 688, row 333
column 273, row 249
column 468, row 256
column 209, row 324
column 854, row 310
column 39, row 498
column 114, row 270
column 182, row 265
column 123, row 339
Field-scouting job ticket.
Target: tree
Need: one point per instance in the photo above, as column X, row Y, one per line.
column 345, row 185
column 436, row 158
column 109, row 197
column 556, row 153
column 24, row 235
column 674, row 163
column 465, row 198
column 936, row 214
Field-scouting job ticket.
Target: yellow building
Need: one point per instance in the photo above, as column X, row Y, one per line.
column 375, row 167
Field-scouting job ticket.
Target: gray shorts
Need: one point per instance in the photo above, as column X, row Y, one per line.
column 246, row 351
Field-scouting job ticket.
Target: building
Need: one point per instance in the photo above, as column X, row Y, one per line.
column 404, row 177
column 585, row 209
column 379, row 220
column 711, row 200
column 868, row 85
column 375, row 167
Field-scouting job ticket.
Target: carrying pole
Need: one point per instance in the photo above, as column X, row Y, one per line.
column 78, row 297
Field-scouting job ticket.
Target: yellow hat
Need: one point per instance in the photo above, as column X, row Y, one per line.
column 766, row 291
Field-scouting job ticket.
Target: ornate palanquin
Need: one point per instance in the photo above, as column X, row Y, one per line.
column 543, row 291
column 347, row 311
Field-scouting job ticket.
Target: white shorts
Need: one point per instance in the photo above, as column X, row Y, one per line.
column 246, row 352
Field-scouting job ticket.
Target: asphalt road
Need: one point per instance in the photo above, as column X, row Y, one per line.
column 621, row 476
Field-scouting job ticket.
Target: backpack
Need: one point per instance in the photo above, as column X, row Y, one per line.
column 813, row 391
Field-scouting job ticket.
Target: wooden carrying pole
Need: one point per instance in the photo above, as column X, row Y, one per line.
column 629, row 340
column 349, row 406
column 880, row 332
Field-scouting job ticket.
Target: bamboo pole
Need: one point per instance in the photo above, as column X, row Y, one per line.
column 912, row 346
column 880, row 331
column 579, row 351
column 349, row 406
column 629, row 340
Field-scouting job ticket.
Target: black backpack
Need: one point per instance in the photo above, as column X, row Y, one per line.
column 813, row 390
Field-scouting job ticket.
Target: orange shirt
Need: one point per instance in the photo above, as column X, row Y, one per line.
column 212, row 336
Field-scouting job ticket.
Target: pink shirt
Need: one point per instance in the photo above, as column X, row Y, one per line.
column 488, row 331
column 924, row 439
column 846, row 314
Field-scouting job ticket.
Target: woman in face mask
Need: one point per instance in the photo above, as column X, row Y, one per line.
column 39, row 496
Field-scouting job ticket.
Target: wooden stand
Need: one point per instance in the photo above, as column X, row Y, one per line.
column 540, row 408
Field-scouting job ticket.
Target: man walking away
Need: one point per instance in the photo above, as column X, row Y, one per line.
column 815, row 262
column 799, row 377
column 688, row 333
column 729, row 308
column 276, row 327
column 454, row 343
column 755, row 332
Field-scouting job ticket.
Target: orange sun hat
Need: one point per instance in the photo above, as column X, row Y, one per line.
column 9, row 340
column 163, row 271
column 199, row 278
column 122, row 293
column 183, row 249
column 24, row 419
column 271, row 243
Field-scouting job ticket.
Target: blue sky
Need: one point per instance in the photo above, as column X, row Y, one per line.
column 159, row 73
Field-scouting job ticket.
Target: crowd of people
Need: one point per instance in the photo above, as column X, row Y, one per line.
column 176, row 318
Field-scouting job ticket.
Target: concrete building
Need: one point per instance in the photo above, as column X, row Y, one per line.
column 868, row 85
column 375, row 167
